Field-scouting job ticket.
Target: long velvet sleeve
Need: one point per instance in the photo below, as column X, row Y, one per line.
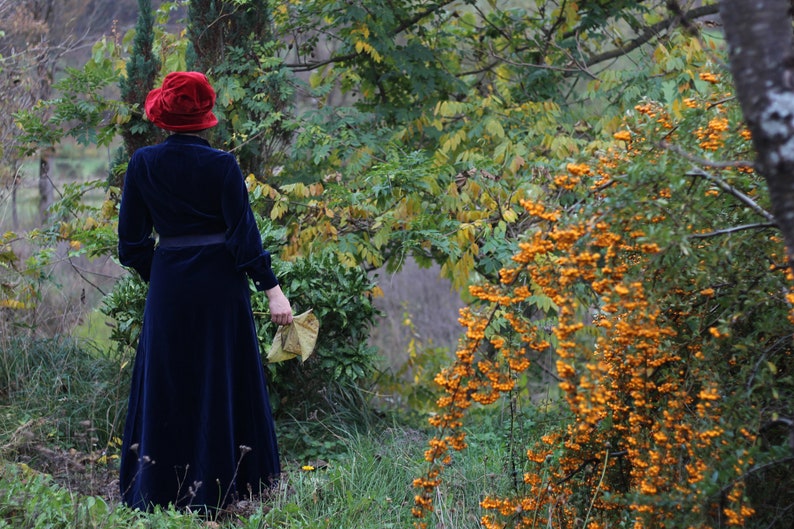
column 136, row 245
column 242, row 235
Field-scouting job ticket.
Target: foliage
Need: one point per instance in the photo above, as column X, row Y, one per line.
column 657, row 282
column 255, row 94
column 454, row 201
column 341, row 298
column 494, row 125
column 81, row 111
column 231, row 41
column 399, row 208
column 125, row 306
column 32, row 499
column 143, row 67
column 18, row 281
column 83, row 226
column 329, row 383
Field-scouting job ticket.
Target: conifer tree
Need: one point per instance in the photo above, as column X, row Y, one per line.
column 143, row 67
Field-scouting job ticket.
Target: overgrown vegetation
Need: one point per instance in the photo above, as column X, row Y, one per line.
column 579, row 171
column 61, row 405
column 667, row 331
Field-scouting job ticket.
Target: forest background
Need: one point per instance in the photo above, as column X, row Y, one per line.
column 582, row 174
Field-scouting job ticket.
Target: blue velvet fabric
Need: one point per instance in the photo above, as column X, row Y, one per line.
column 199, row 429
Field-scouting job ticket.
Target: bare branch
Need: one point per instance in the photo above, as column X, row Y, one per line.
column 703, row 161
column 734, row 229
column 725, row 186
column 405, row 24
column 650, row 32
column 592, row 461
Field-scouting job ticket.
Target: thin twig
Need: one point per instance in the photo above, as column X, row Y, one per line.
column 779, row 516
column 79, row 272
column 649, row 33
column 780, row 341
column 598, row 487
column 695, row 31
column 734, row 229
column 725, row 186
column 404, row 24
column 724, row 490
column 703, row 161
column 592, row 461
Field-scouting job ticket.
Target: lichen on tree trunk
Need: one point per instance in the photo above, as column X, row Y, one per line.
column 762, row 62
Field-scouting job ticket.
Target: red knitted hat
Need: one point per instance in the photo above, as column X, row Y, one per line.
column 183, row 104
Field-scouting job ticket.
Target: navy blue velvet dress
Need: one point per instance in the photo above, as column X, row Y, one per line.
column 199, row 429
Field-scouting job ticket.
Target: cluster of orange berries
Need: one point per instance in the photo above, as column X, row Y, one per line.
column 712, row 137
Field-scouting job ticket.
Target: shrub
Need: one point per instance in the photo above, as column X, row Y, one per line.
column 658, row 290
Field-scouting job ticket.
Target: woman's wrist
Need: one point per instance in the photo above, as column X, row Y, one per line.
column 274, row 292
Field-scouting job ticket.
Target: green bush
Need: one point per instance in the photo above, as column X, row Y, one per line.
column 310, row 398
column 340, row 298
column 125, row 304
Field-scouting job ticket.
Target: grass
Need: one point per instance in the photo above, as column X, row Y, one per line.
column 369, row 488
column 94, row 328
column 60, row 404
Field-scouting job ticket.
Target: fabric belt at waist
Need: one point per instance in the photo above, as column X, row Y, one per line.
column 181, row 241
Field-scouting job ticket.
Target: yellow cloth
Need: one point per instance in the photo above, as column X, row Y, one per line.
column 296, row 339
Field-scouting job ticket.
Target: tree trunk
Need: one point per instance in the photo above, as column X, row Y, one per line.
column 45, row 184
column 759, row 37
column 15, row 181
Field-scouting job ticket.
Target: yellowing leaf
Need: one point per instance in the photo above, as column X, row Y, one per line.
column 509, row 215
column 279, row 208
column 12, row 304
column 449, row 109
column 346, row 259
column 316, row 79
column 517, row 163
column 494, row 128
column 465, row 234
column 454, row 141
column 366, row 47
column 361, row 30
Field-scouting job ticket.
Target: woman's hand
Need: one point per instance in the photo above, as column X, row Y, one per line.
column 280, row 309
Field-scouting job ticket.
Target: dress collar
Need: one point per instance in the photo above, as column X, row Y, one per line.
column 186, row 139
